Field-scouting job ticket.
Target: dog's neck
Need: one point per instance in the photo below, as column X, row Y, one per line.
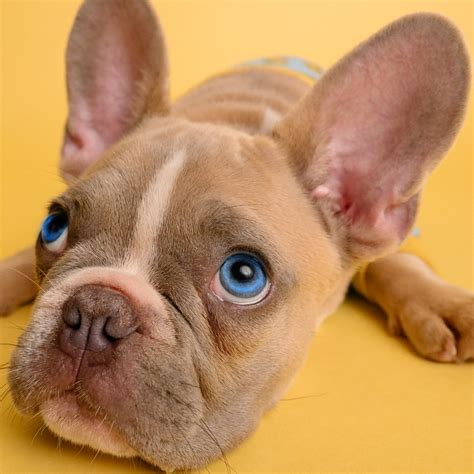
column 250, row 99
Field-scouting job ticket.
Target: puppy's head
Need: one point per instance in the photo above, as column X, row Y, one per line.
column 185, row 271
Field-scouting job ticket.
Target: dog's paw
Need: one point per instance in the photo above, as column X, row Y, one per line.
column 17, row 281
column 439, row 321
column 8, row 300
column 6, row 307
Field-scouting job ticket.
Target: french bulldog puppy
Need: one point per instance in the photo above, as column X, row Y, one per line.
column 201, row 243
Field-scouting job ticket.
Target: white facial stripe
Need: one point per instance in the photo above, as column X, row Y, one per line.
column 151, row 212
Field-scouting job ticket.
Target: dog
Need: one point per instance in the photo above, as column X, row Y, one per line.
column 200, row 244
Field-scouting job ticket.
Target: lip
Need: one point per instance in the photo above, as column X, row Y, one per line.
column 73, row 421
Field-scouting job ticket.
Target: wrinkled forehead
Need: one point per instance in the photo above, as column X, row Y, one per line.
column 152, row 168
column 172, row 182
column 152, row 156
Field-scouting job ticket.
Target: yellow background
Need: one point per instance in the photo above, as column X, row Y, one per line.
column 369, row 403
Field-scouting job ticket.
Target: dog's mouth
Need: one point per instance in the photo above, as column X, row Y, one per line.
column 71, row 419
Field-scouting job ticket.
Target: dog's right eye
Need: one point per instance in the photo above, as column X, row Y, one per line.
column 54, row 232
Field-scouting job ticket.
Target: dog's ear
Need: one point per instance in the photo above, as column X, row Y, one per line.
column 367, row 135
column 117, row 70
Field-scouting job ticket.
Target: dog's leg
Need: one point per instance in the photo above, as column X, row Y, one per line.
column 17, row 281
column 436, row 317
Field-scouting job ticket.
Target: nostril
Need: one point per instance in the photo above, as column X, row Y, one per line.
column 96, row 318
column 120, row 328
column 107, row 333
column 72, row 316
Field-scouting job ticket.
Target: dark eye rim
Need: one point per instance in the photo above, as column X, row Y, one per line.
column 54, row 208
column 57, row 207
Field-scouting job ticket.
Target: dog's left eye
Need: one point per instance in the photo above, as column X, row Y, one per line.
column 54, row 232
column 241, row 280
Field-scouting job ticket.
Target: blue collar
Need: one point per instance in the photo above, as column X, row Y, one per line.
column 291, row 63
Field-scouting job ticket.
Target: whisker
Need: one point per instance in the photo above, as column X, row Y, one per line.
column 5, row 394
column 206, row 428
column 39, row 432
column 188, row 443
column 10, row 344
column 95, row 457
column 102, row 422
column 43, row 273
column 11, row 413
column 213, row 437
column 10, row 370
column 36, row 415
column 25, row 276
column 79, row 451
column 58, row 444
column 304, row 397
column 16, row 326
column 176, row 444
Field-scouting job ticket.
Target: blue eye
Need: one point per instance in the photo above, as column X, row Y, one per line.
column 54, row 231
column 241, row 279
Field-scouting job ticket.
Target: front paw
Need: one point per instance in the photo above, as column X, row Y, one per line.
column 6, row 307
column 8, row 299
column 439, row 321
column 17, row 286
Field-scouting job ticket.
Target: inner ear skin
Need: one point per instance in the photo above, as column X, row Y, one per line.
column 365, row 138
column 109, row 93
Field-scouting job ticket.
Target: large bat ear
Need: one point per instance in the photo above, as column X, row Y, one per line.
column 117, row 71
column 367, row 135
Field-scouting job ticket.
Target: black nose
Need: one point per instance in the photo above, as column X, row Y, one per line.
column 94, row 318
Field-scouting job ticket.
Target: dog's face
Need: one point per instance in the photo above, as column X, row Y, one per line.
column 148, row 244
column 186, row 270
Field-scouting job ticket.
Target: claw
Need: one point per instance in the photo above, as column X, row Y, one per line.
column 447, row 354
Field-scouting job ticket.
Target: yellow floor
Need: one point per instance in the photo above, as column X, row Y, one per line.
column 364, row 401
